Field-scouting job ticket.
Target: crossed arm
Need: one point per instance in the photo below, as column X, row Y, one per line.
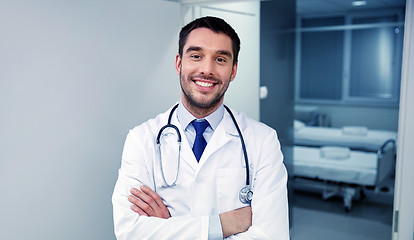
column 146, row 202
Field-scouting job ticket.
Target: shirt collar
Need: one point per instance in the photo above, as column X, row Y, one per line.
column 185, row 117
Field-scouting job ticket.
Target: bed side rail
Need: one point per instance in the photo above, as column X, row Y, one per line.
column 386, row 160
column 382, row 149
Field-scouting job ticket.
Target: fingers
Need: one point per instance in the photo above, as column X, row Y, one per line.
column 146, row 202
column 158, row 201
column 138, row 205
column 138, row 210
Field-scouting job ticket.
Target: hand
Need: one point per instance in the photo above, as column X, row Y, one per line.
column 236, row 221
column 146, row 202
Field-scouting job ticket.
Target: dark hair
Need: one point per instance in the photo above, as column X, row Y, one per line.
column 216, row 25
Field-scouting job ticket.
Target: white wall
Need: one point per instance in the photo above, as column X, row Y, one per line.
column 74, row 77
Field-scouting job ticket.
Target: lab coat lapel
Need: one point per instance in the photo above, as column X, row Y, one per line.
column 186, row 152
column 225, row 132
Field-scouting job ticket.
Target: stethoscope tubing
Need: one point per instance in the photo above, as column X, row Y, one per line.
column 179, row 142
column 242, row 143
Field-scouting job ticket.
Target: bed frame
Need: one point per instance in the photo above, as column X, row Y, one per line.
column 348, row 189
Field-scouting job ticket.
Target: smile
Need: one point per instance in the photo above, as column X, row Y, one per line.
column 204, row 84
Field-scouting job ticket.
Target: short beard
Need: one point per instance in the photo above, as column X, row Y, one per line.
column 200, row 105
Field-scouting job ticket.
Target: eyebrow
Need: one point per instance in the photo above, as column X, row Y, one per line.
column 193, row 48
column 196, row 48
column 227, row 53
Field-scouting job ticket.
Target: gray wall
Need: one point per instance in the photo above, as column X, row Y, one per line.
column 277, row 52
column 75, row 76
column 382, row 118
column 277, row 48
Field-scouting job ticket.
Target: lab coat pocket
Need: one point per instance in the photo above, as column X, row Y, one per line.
column 229, row 183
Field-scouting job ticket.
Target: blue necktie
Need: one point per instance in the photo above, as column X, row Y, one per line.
column 199, row 142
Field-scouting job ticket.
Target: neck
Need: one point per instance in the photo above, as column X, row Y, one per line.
column 200, row 112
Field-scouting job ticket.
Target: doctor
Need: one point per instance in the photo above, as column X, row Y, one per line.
column 193, row 192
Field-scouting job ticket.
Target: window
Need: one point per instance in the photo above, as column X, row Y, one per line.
column 321, row 66
column 349, row 59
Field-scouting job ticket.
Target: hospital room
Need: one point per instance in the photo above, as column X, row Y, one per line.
column 334, row 78
column 347, row 75
column 345, row 118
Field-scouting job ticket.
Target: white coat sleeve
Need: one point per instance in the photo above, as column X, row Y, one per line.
column 269, row 203
column 128, row 224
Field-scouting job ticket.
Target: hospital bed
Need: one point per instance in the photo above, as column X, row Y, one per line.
column 342, row 163
column 354, row 137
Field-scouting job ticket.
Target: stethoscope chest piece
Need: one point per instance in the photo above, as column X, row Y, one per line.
column 245, row 195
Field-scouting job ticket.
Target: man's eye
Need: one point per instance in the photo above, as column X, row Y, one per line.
column 221, row 60
column 196, row 57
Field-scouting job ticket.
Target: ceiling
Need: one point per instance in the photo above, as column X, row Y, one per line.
column 319, row 6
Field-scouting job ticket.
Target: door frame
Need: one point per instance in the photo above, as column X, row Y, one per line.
column 403, row 220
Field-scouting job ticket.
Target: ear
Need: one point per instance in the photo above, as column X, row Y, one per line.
column 233, row 71
column 178, row 63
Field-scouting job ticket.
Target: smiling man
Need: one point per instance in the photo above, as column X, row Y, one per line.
column 206, row 69
column 225, row 180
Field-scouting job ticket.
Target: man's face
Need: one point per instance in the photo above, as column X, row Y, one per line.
column 205, row 69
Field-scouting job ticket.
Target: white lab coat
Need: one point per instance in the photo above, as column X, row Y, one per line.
column 206, row 188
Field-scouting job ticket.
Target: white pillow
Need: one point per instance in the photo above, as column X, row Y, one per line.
column 298, row 124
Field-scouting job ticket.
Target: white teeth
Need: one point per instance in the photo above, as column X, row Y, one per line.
column 204, row 84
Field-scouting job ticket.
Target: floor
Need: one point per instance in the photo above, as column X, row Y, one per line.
column 315, row 218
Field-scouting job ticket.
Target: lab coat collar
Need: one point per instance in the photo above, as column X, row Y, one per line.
column 186, row 152
column 230, row 126
column 226, row 131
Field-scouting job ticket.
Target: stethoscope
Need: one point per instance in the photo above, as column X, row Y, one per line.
column 245, row 194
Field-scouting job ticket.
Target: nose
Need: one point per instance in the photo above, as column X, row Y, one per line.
column 207, row 67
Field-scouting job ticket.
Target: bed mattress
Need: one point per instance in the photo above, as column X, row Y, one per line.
column 357, row 168
column 371, row 140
